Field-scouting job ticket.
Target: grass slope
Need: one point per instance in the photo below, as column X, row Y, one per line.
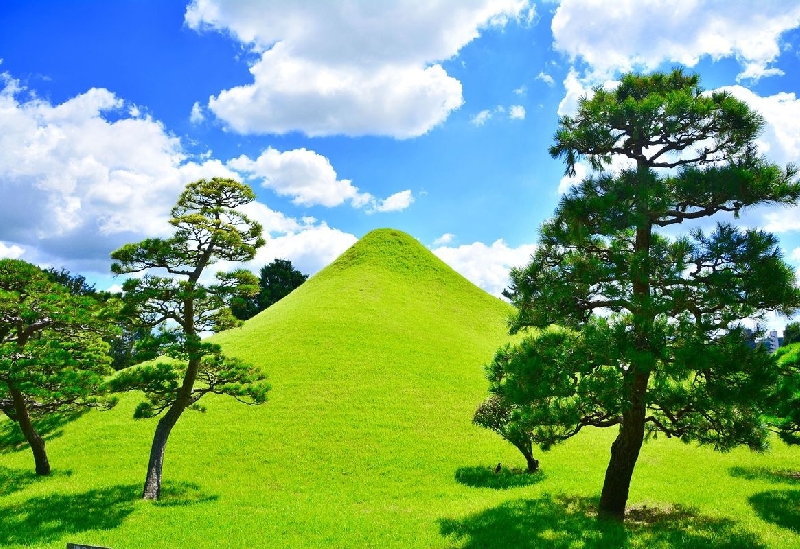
column 366, row 442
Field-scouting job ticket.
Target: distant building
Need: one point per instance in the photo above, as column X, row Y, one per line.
column 772, row 341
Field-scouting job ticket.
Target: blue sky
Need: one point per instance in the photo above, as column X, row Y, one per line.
column 430, row 117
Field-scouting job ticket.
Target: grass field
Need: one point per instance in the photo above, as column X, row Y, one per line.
column 376, row 367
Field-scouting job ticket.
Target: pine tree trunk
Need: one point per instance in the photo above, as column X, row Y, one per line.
column 625, row 452
column 152, row 483
column 35, row 441
column 527, row 451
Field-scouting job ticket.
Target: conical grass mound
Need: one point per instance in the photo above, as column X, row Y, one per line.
column 376, row 368
column 367, row 441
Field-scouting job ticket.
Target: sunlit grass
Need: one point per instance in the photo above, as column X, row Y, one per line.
column 367, row 441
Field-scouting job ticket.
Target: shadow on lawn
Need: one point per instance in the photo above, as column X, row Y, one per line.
column 781, row 507
column 763, row 473
column 48, row 427
column 180, row 494
column 43, row 519
column 14, row 480
column 482, row 476
column 563, row 522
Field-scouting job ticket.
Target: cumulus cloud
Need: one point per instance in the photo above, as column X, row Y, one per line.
column 521, row 91
column 67, row 170
column 309, row 249
column 516, row 112
column 351, row 68
column 81, row 178
column 780, row 143
column 486, row 266
column 309, row 245
column 304, row 175
column 309, row 178
column 395, row 203
column 10, row 251
column 196, row 116
column 634, row 35
column 781, row 138
column 446, row 238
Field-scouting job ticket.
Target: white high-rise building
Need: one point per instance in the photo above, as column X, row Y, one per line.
column 772, row 341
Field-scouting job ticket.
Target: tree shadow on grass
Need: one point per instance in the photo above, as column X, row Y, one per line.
column 561, row 522
column 49, row 427
column 181, row 494
column 44, row 519
column 14, row 480
column 481, row 476
column 764, row 473
column 781, row 507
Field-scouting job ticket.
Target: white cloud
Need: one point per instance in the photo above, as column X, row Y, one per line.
column 568, row 181
column 395, row 203
column 309, row 178
column 486, row 266
column 481, row 118
column 309, row 250
column 446, row 238
column 196, row 115
column 309, row 246
column 352, row 68
column 516, row 112
column 77, row 185
column 575, row 89
column 114, row 289
column 546, row 78
column 304, row 175
column 521, row 91
column 631, row 34
column 780, row 141
column 795, row 255
column 66, row 170
column 13, row 251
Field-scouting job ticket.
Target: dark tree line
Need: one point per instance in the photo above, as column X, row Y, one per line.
column 277, row 280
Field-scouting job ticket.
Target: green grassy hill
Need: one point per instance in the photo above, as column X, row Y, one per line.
column 376, row 367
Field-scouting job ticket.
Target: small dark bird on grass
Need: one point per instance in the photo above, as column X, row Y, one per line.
column 497, row 469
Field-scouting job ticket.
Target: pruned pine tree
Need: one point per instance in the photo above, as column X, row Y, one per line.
column 179, row 308
column 498, row 415
column 53, row 359
column 650, row 339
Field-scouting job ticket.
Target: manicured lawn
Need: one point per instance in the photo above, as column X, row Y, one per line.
column 376, row 367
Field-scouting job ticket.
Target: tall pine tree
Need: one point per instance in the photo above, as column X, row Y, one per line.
column 649, row 336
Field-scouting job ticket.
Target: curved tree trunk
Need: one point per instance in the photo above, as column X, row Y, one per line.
column 527, row 451
column 152, row 483
column 625, row 452
column 31, row 435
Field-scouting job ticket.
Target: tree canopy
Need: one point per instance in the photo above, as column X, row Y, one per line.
column 650, row 337
column 277, row 280
column 179, row 308
column 791, row 334
column 53, row 359
column 785, row 401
